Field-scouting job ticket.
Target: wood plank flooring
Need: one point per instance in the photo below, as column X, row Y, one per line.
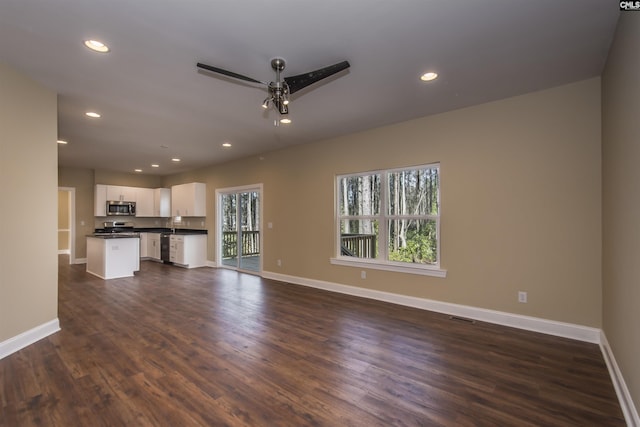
column 208, row 347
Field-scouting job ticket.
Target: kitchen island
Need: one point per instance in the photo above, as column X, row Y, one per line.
column 113, row 256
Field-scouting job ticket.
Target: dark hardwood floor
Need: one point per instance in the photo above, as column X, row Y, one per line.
column 207, row 347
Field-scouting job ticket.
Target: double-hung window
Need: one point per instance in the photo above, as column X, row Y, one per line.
column 390, row 220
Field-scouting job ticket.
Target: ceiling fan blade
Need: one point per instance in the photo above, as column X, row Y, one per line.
column 301, row 81
column 228, row 73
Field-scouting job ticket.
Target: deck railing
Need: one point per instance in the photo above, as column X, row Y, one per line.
column 359, row 245
column 356, row 245
column 250, row 243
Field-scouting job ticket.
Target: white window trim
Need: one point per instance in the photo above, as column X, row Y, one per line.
column 384, row 264
column 389, row 266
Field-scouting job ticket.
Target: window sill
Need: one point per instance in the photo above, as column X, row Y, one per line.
column 360, row 263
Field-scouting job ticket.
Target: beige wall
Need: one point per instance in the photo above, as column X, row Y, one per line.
column 28, row 162
column 621, row 200
column 127, row 179
column 82, row 181
column 63, row 220
column 520, row 202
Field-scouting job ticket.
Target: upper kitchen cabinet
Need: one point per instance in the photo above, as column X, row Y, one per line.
column 150, row 202
column 144, row 202
column 100, row 200
column 104, row 193
column 162, row 202
column 189, row 199
column 121, row 194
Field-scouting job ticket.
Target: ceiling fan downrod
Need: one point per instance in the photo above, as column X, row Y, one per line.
column 279, row 90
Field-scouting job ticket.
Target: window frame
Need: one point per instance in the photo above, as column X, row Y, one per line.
column 382, row 262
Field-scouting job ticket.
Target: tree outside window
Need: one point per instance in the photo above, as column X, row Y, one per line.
column 390, row 216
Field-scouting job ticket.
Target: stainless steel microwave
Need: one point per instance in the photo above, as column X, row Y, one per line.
column 115, row 207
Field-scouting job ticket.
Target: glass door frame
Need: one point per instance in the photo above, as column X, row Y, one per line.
column 257, row 188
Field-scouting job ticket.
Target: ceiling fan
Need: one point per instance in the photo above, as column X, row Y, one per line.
column 280, row 89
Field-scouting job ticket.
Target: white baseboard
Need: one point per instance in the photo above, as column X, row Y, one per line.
column 535, row 324
column 64, row 252
column 624, row 397
column 211, row 264
column 19, row 342
column 80, row 261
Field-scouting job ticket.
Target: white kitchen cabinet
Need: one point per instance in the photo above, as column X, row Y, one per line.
column 188, row 250
column 150, row 202
column 144, row 252
column 162, row 202
column 153, row 246
column 144, row 202
column 189, row 199
column 103, row 193
column 121, row 193
column 100, row 200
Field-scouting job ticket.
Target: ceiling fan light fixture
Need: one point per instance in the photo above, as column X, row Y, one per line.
column 265, row 103
column 285, row 120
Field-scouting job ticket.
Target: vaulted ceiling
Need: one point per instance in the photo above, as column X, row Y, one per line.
column 156, row 105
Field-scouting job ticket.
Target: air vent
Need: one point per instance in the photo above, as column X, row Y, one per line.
column 462, row 319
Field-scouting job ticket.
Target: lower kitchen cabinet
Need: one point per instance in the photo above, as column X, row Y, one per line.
column 188, row 250
column 150, row 246
column 144, row 237
column 153, row 246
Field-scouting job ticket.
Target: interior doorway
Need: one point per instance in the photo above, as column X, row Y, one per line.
column 239, row 225
column 67, row 222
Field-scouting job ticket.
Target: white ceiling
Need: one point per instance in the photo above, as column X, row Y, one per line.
column 151, row 94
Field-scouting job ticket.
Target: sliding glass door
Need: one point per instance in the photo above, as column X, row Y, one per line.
column 239, row 245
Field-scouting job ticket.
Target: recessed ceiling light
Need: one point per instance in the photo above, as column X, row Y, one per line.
column 427, row 77
column 226, row 144
column 155, row 166
column 285, row 120
column 96, row 46
column 62, row 142
column 137, row 170
column 175, row 159
column 92, row 114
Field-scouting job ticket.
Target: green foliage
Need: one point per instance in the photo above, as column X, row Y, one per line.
column 420, row 248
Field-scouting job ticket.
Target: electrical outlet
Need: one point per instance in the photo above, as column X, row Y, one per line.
column 363, row 274
column 522, row 297
column 279, row 262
